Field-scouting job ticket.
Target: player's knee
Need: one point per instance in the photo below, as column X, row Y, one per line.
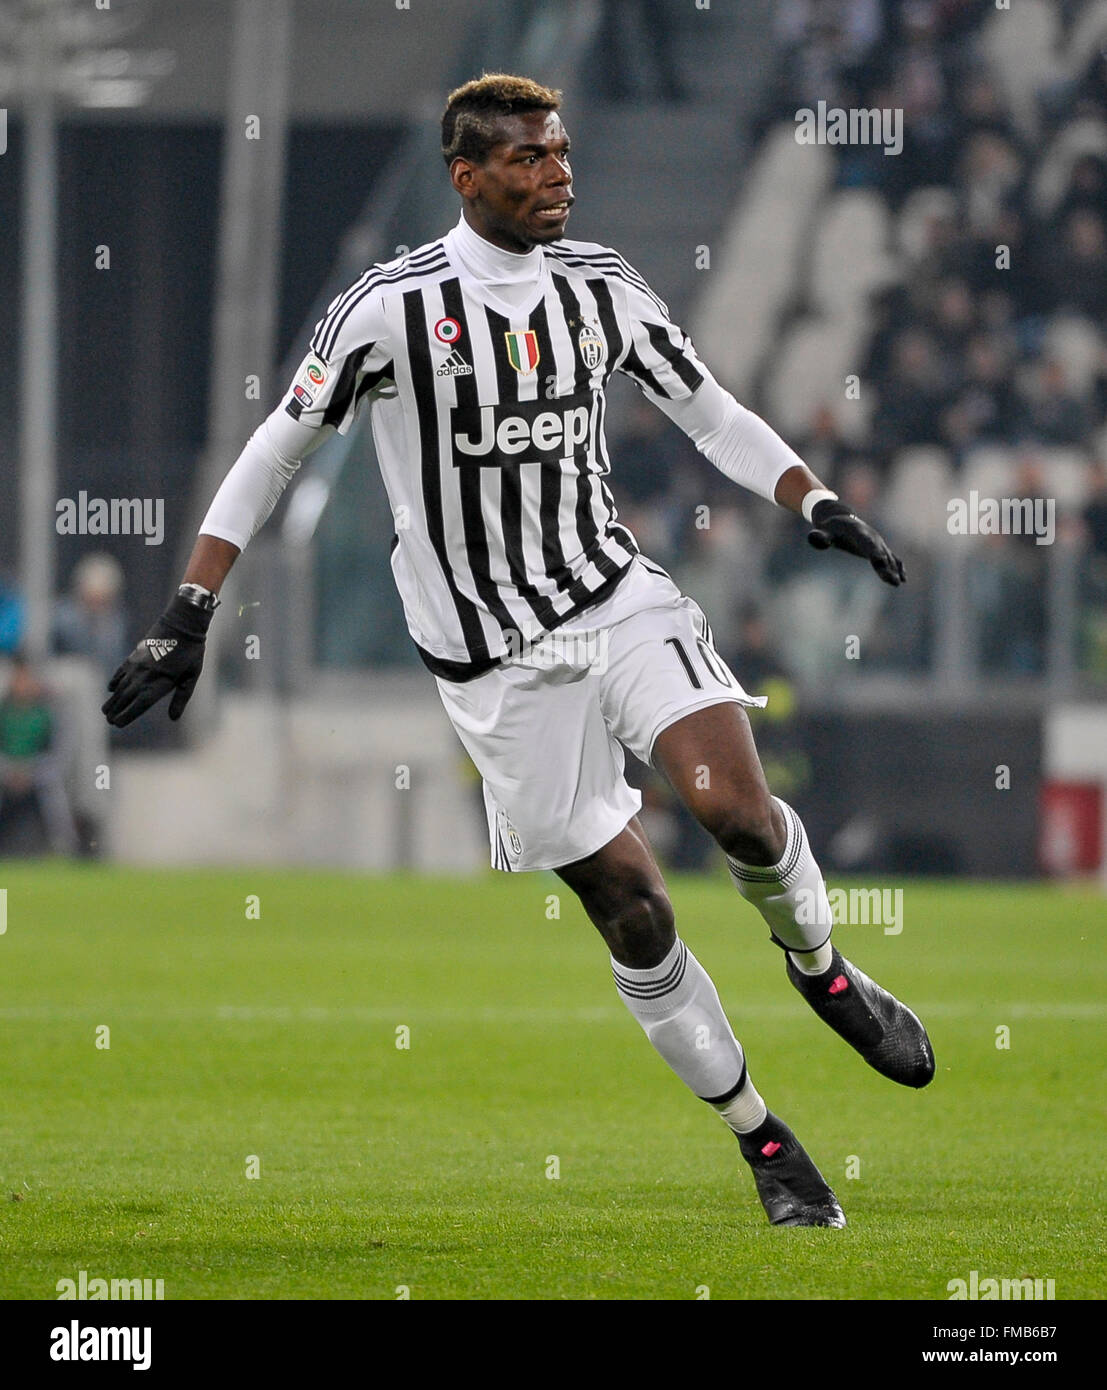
column 640, row 926
column 750, row 830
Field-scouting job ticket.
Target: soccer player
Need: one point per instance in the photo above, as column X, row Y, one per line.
column 484, row 357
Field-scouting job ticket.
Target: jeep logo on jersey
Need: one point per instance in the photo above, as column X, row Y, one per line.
column 522, row 351
column 592, row 348
column 523, row 431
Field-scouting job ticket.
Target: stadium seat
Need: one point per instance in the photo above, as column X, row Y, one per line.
column 917, row 499
column 810, row 370
column 1089, row 33
column 1022, row 45
column 851, row 258
column 1077, row 344
column 1050, row 180
column 920, row 208
column 736, row 319
column 1067, row 478
column 990, row 471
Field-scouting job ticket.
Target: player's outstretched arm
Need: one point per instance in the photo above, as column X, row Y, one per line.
column 737, row 441
column 325, row 395
column 171, row 655
column 836, row 524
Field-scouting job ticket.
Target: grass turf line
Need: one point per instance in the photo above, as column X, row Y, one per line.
column 426, row 1167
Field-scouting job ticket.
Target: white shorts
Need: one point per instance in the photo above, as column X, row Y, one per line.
column 545, row 729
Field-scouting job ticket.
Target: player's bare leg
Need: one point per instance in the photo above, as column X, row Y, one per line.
column 674, row 1000
column 772, row 866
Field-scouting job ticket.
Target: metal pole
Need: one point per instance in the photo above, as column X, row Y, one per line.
column 955, row 644
column 1062, row 622
column 244, row 316
column 38, row 337
column 245, row 312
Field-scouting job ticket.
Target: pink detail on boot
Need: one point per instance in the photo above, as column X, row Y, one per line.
column 839, row 985
column 770, row 1148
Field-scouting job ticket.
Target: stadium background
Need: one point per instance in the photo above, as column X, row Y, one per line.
column 253, row 986
column 860, row 301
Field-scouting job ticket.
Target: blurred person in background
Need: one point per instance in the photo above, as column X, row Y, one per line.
column 985, row 407
column 1087, row 188
column 911, row 395
column 1079, row 267
column 1007, row 578
column 653, row 450
column 91, row 620
column 1051, row 412
column 722, row 555
column 810, row 611
column 1093, row 575
column 635, row 45
column 778, row 727
column 12, row 616
column 34, row 806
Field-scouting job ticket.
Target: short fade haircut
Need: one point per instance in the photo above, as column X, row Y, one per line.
column 469, row 121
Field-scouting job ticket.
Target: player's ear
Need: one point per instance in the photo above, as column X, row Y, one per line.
column 463, row 176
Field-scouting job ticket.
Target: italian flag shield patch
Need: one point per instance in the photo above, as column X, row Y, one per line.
column 522, row 350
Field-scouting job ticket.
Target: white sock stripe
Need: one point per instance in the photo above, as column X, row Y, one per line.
column 790, row 875
column 777, row 892
column 654, row 989
column 789, row 863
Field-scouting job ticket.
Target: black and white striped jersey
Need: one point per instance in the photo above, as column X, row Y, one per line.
column 488, row 422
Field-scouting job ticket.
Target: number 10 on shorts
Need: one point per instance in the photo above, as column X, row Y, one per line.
column 709, row 658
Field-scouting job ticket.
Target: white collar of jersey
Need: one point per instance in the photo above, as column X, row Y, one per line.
column 492, row 265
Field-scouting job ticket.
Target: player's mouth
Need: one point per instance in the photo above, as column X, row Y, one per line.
column 555, row 212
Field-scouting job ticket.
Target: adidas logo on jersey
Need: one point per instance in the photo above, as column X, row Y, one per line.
column 454, row 365
column 159, row 647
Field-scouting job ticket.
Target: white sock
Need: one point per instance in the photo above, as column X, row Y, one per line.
column 744, row 1112
column 813, row 962
column 679, row 1010
column 791, row 896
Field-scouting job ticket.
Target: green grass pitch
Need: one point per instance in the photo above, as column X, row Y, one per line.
column 427, row 1168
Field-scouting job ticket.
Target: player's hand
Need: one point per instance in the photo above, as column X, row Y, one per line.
column 169, row 658
column 836, row 525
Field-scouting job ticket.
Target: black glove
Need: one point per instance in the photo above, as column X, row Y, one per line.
column 836, row 525
column 169, row 657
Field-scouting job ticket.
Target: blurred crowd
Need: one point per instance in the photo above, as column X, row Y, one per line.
column 988, row 333
column 41, row 710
